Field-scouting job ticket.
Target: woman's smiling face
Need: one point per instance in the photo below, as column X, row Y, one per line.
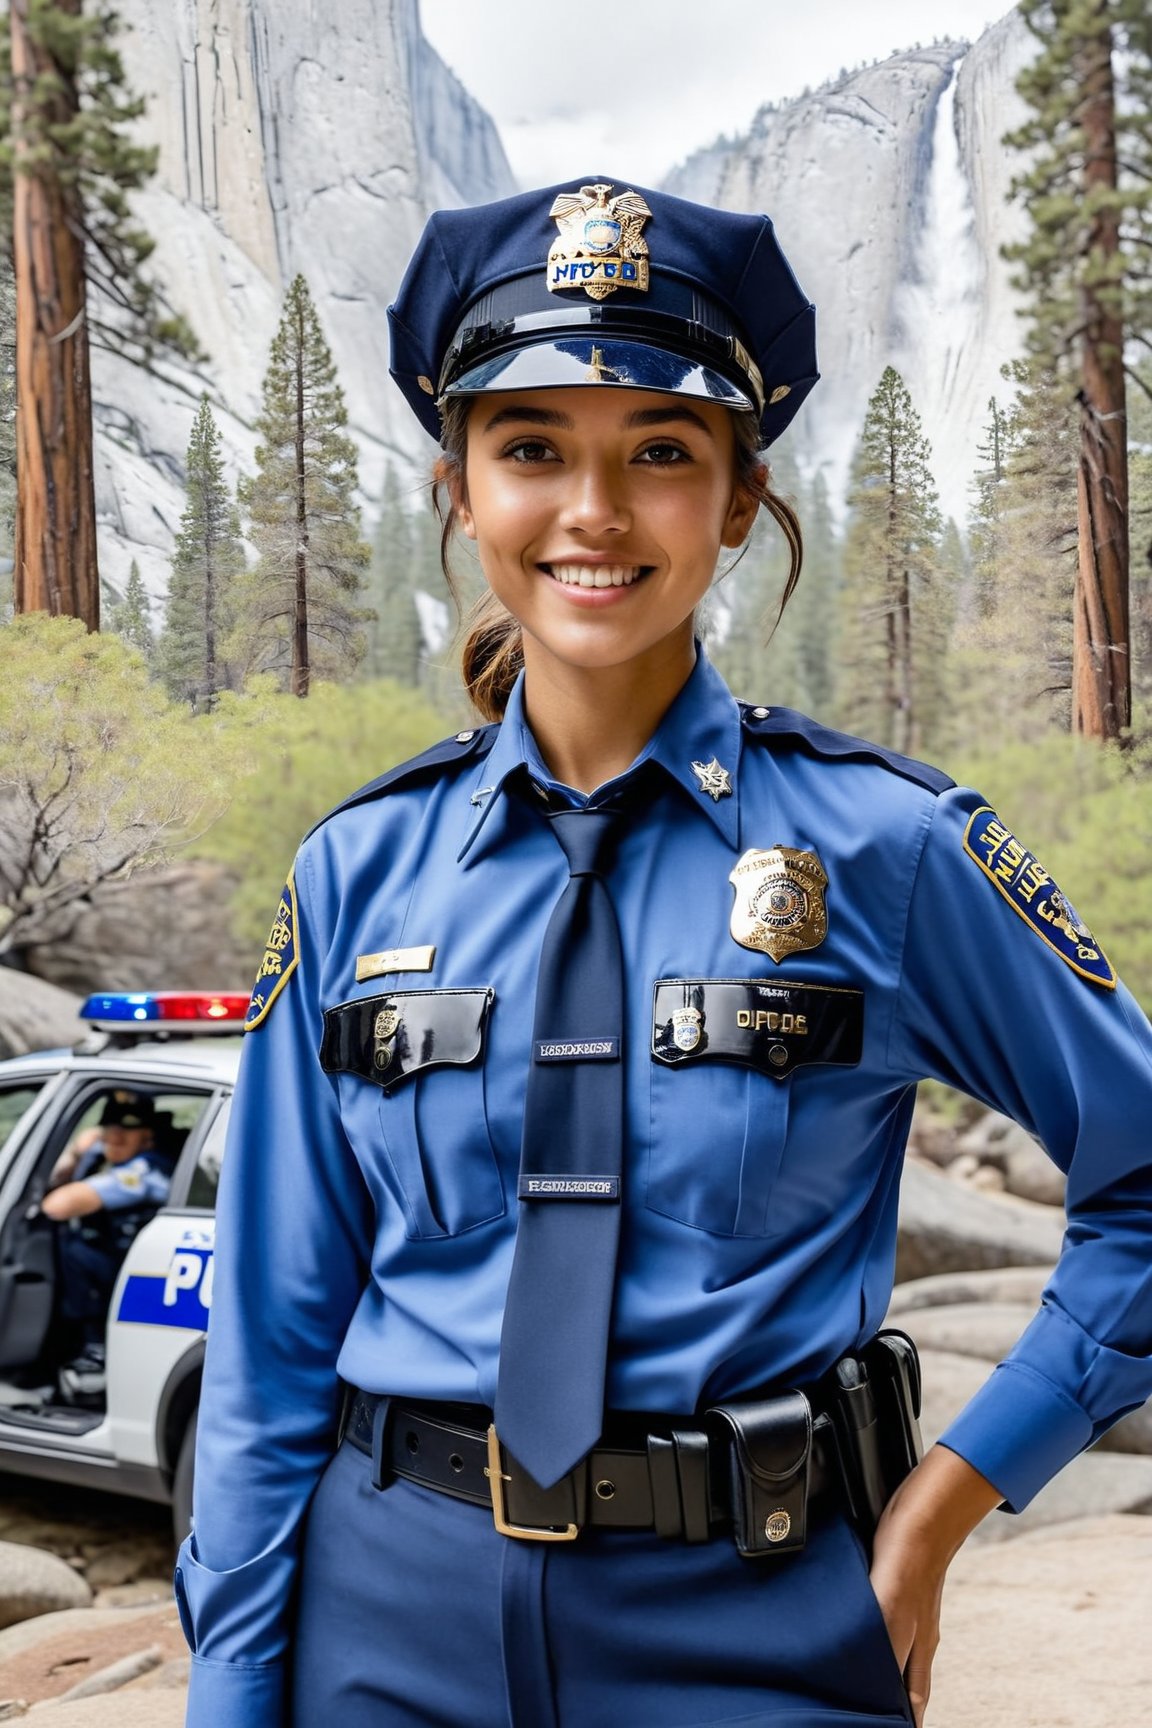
column 599, row 515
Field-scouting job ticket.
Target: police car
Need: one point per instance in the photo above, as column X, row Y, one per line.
column 135, row 1433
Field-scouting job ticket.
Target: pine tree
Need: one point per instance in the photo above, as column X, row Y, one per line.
column 893, row 613
column 395, row 640
column 67, row 161
column 208, row 559
column 1087, row 268
column 1013, row 653
column 986, row 524
column 132, row 617
column 298, row 610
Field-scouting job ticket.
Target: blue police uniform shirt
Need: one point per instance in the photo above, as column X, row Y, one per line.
column 144, row 1180
column 369, row 1232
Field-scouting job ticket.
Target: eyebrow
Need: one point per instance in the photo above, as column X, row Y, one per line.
column 665, row 416
column 640, row 417
column 534, row 417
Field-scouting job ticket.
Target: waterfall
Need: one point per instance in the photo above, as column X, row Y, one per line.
column 937, row 312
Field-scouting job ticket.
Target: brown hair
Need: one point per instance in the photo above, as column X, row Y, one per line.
column 493, row 654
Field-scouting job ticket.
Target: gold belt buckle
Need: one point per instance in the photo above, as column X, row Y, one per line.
column 497, row 1476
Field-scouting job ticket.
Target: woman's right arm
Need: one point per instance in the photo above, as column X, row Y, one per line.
column 293, row 1243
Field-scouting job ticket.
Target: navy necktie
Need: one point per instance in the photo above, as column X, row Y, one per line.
column 549, row 1407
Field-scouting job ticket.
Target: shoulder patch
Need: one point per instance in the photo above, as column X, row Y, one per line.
column 467, row 746
column 786, row 723
column 1031, row 892
column 279, row 959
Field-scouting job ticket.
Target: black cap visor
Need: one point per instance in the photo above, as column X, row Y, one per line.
column 560, row 364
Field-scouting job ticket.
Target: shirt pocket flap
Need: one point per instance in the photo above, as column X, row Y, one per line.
column 773, row 1027
column 389, row 1038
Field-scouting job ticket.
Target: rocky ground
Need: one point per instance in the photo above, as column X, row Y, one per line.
column 1046, row 1616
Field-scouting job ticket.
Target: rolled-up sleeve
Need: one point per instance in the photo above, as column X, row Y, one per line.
column 987, row 1005
column 292, row 1249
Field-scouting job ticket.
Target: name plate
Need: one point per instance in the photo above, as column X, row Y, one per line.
column 388, row 1038
column 773, row 1027
column 569, row 1188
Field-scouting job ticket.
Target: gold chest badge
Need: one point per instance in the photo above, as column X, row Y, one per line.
column 779, row 907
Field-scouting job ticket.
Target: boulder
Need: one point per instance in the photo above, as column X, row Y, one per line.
column 34, row 1582
column 950, row 1380
column 945, row 1227
column 986, row 1330
column 35, row 1015
column 1020, row 1285
column 132, row 1709
column 1133, row 1433
column 1028, row 1170
column 1050, row 1631
column 984, row 1135
column 117, row 1674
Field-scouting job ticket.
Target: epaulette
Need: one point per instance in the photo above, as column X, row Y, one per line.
column 470, row 745
column 817, row 740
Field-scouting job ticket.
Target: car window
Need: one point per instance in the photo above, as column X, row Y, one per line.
column 14, row 1101
column 206, row 1176
column 177, row 1113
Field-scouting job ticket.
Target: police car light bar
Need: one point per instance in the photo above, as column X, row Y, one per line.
column 167, row 1010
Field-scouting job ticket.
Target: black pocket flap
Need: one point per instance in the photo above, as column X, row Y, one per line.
column 772, row 1026
column 387, row 1038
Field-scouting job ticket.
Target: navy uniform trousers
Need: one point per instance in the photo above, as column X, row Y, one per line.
column 415, row 1613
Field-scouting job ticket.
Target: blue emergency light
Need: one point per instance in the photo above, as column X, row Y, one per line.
column 186, row 1011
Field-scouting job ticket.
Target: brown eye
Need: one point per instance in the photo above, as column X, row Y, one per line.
column 663, row 455
column 528, row 450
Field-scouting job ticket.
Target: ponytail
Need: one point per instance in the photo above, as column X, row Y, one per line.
column 493, row 653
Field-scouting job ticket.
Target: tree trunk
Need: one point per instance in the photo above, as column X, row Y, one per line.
column 301, row 672
column 210, row 677
column 56, row 505
column 1101, row 658
column 905, row 729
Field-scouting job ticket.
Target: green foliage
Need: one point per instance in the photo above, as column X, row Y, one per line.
column 99, row 775
column 395, row 641
column 986, row 523
column 790, row 661
column 1012, row 648
column 77, row 126
column 1062, row 257
column 1087, row 811
column 298, row 611
column 307, row 756
column 897, row 599
column 131, row 617
column 208, row 558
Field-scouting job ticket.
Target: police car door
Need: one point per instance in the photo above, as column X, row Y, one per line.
column 159, row 1312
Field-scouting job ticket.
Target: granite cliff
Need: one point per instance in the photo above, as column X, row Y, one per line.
column 292, row 138
column 888, row 191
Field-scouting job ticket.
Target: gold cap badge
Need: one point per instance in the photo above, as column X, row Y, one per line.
column 779, row 906
column 600, row 247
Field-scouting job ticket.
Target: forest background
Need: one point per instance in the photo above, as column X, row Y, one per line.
column 158, row 763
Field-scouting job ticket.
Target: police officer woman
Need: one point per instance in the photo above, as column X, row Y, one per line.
column 544, row 1388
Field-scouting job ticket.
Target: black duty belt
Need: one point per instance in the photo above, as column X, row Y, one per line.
column 753, row 1468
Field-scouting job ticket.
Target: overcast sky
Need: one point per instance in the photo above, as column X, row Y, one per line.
column 631, row 87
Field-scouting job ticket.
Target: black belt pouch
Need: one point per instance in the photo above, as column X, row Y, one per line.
column 769, row 1452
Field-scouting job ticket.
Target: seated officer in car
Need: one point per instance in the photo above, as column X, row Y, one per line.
column 117, row 1181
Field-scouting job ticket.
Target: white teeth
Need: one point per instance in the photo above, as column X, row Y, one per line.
column 595, row 576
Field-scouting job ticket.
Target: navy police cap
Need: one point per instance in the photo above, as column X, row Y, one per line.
column 603, row 283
